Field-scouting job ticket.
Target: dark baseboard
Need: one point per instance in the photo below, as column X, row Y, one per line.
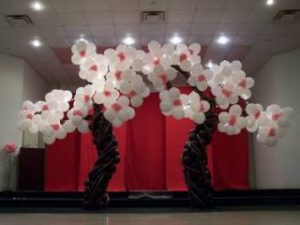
column 151, row 199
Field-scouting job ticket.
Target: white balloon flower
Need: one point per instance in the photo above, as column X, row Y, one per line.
column 106, row 96
column 53, row 130
column 81, row 51
column 225, row 95
column 119, row 111
column 281, row 116
column 84, row 97
column 157, row 56
column 187, row 56
column 93, row 68
column 160, row 77
column 256, row 117
column 121, row 58
column 199, row 77
column 135, row 89
column 231, row 122
column 196, row 108
column 243, row 84
column 270, row 133
column 173, row 103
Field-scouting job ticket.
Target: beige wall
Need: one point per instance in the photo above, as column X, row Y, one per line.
column 18, row 81
column 279, row 82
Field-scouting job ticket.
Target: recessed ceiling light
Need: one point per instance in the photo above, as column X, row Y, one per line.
column 36, row 43
column 175, row 40
column 38, row 6
column 128, row 41
column 270, row 2
column 209, row 64
column 222, row 40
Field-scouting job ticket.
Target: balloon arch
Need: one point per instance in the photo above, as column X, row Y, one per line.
column 116, row 85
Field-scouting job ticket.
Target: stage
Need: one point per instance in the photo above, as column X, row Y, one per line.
column 230, row 198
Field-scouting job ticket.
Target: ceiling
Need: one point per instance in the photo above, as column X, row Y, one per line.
column 254, row 36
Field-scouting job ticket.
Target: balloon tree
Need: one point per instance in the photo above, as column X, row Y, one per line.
column 118, row 81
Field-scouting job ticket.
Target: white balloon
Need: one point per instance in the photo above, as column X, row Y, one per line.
column 198, row 118
column 83, row 127
column 117, row 122
column 49, row 139
column 165, row 106
column 271, row 142
column 174, row 93
column 109, row 114
column 178, row 113
column 223, row 117
column 125, row 87
column 154, row 47
column 136, row 101
column 61, row 134
column 124, row 114
column 186, row 66
column 33, row 129
column 69, row 126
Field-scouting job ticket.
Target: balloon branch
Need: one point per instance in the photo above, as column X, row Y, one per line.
column 119, row 80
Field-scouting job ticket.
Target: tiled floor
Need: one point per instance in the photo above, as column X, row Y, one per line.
column 125, row 217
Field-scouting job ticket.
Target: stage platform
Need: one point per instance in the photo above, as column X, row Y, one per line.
column 151, row 199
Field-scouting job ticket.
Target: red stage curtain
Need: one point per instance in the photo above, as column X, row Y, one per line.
column 150, row 146
column 62, row 164
column 145, row 153
column 230, row 161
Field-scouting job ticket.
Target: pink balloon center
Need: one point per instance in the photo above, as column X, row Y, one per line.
column 132, row 94
column 201, row 78
column 232, row 120
column 156, row 61
column 177, row 102
column 77, row 113
column 55, row 127
column 82, row 53
column 163, row 77
column 272, row 132
column 182, row 57
column 121, row 56
column 257, row 114
column 107, row 93
column 201, row 108
column 86, row 98
column 242, row 83
column 226, row 92
column 276, row 116
column 94, row 68
column 45, row 107
column 117, row 107
column 29, row 116
column 118, row 75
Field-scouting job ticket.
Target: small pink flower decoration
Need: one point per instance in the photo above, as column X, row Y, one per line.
column 11, row 148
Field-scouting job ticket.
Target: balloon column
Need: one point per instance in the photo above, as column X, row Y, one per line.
column 119, row 80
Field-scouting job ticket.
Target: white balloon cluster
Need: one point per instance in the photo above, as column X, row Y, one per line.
column 117, row 81
column 45, row 116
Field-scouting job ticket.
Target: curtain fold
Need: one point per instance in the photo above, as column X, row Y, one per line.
column 145, row 152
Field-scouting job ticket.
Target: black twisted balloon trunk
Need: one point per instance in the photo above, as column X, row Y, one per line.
column 108, row 156
column 194, row 160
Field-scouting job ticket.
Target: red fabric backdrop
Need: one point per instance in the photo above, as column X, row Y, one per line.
column 150, row 146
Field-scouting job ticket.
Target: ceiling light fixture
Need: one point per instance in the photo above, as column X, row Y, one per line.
column 222, row 40
column 270, row 2
column 38, row 6
column 209, row 64
column 36, row 43
column 128, row 41
column 175, row 40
